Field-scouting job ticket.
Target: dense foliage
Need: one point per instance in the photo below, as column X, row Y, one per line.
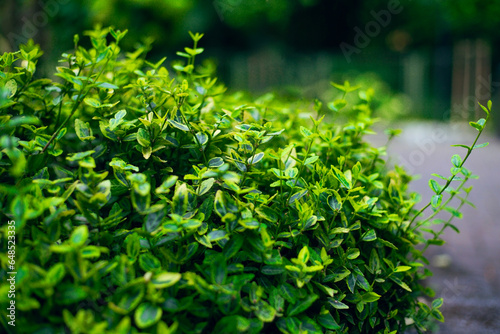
column 152, row 201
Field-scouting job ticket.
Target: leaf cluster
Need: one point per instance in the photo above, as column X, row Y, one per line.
column 150, row 200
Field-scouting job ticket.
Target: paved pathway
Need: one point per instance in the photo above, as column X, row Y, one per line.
column 467, row 268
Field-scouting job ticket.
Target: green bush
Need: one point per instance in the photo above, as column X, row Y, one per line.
column 146, row 201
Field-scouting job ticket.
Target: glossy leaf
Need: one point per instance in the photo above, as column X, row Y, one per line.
column 205, row 186
column 147, row 315
column 165, row 279
column 215, row 162
column 79, row 236
column 255, row 158
column 301, row 305
column 178, row 125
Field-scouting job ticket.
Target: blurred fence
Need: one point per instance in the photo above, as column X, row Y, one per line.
column 443, row 82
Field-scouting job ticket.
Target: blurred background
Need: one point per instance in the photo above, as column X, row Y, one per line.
column 429, row 61
column 426, row 58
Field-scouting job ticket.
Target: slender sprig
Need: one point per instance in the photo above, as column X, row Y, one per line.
column 479, row 126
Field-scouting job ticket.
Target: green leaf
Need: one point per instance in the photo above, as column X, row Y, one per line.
column 218, row 270
column 232, row 324
column 61, row 248
column 92, row 102
column 370, row 297
column 436, row 200
column 337, row 304
column 90, row 252
column 233, row 246
column 351, row 282
column 437, row 303
column 341, row 177
column 265, row 312
column 352, row 253
column 326, row 289
column 311, row 160
column 436, row 314
column 401, row 269
column 55, row 274
column 369, row 235
column 178, row 125
column 338, row 275
column 434, row 186
column 83, row 130
column 167, row 184
column 454, row 212
column 146, row 152
column 460, row 145
column 143, row 138
column 437, row 242
column 272, row 270
column 476, row 126
column 69, row 294
column 301, row 305
column 304, row 255
column 255, row 158
column 297, row 195
column 205, row 186
column 165, row 279
column 327, row 321
column 11, row 87
column 481, row 145
column 215, row 162
column 338, row 104
column 374, row 261
column 203, row 239
column 79, row 156
column 268, row 213
column 128, row 300
column 149, row 262
column 399, row 282
column 107, row 85
column 249, row 223
column 334, row 201
column 202, row 138
column 456, row 160
column 180, row 199
column 288, row 292
column 147, row 315
column 305, row 132
column 216, row 235
column 79, row 236
column 387, row 243
column 220, row 204
column 486, row 109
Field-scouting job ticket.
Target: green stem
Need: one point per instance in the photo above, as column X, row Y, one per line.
column 450, row 179
column 281, row 180
column 248, row 166
column 441, row 206
column 445, row 225
column 79, row 100
column 300, row 171
column 200, row 147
